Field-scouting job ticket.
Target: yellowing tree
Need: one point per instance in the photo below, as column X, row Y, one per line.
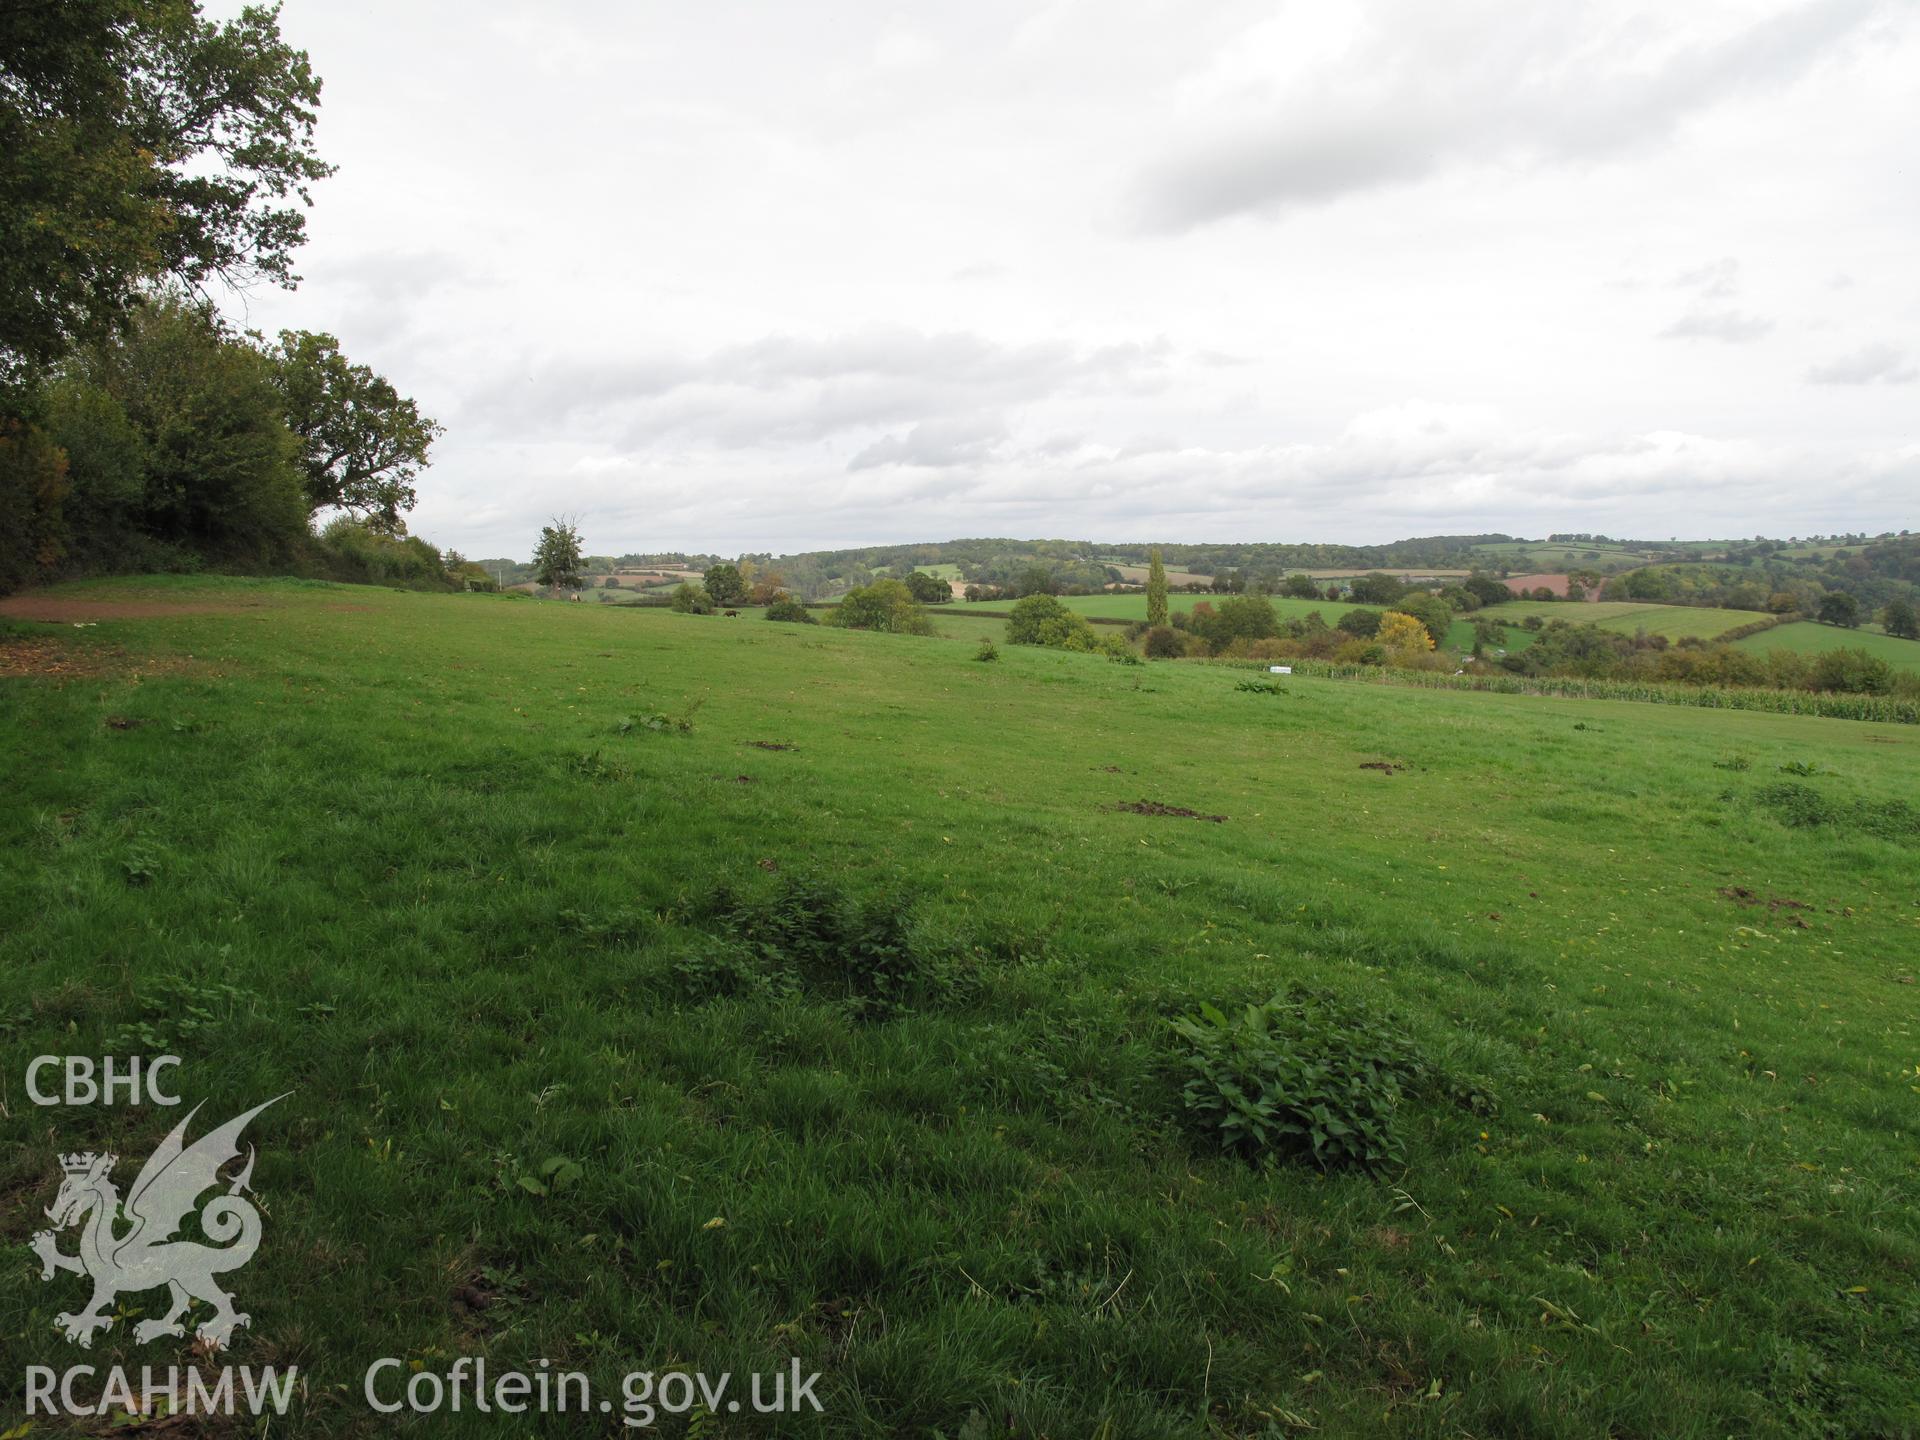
column 1403, row 632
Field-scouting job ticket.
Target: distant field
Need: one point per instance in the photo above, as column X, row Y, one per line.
column 940, row 572
column 1676, row 622
column 1673, row 621
column 1138, row 575
column 1805, row 637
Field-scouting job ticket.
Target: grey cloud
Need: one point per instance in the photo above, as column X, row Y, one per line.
column 1719, row 280
column 1423, row 92
column 938, row 444
column 1877, row 363
column 1733, row 327
column 788, row 388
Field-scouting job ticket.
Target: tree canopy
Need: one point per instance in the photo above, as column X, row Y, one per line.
column 556, row 556
column 361, row 441
column 141, row 142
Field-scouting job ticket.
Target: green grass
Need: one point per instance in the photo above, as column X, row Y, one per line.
column 940, row 572
column 1676, row 622
column 401, row 856
column 1808, row 637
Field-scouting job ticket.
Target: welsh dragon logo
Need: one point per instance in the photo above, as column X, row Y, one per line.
column 145, row 1254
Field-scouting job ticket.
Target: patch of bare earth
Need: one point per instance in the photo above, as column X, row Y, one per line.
column 35, row 657
column 58, row 610
column 1173, row 812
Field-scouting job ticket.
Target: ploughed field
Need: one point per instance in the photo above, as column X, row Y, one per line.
column 517, row 898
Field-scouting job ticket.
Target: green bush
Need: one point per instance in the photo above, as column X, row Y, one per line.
column 1163, row 642
column 988, row 651
column 1043, row 620
column 691, row 599
column 792, row 612
column 356, row 552
column 1308, row 1074
column 885, row 605
column 1856, row 672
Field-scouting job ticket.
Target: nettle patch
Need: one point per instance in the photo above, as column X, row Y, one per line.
column 810, row 938
column 1308, row 1075
column 1802, row 807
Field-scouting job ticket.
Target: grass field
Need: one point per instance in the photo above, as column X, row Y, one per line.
column 940, row 572
column 411, row 858
column 1806, row 637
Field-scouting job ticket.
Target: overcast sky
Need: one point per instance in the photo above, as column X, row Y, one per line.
column 774, row 276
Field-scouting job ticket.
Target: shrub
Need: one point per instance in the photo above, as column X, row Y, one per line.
column 792, row 612
column 1242, row 617
column 356, row 551
column 1306, row 1074
column 691, row 599
column 1400, row 631
column 1431, row 611
column 885, row 605
column 1043, row 620
column 988, row 651
column 1855, row 671
column 1163, row 642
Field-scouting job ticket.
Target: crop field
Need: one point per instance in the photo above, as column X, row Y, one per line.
column 1539, row 554
column 1806, row 637
column 520, row 905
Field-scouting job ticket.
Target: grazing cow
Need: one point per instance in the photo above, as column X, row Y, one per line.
column 733, row 614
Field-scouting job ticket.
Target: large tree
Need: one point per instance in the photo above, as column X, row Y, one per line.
column 556, row 557
column 725, row 584
column 361, row 441
column 140, row 142
column 1156, row 590
column 1839, row 608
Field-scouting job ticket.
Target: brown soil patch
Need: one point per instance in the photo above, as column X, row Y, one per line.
column 1386, row 767
column 1174, row 812
column 47, row 659
column 769, row 745
column 1741, row 895
column 55, row 610
column 44, row 658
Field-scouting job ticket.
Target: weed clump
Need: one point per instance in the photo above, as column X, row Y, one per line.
column 810, row 938
column 1306, row 1075
column 987, row 652
column 1803, row 807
